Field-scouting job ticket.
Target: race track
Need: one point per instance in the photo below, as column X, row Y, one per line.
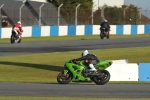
column 60, row 46
column 73, row 89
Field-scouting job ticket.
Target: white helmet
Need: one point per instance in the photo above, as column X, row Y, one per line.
column 85, row 52
column 105, row 20
column 19, row 22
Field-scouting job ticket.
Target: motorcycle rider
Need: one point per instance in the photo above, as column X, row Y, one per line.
column 89, row 59
column 17, row 28
column 105, row 25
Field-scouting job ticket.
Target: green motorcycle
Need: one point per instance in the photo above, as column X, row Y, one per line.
column 76, row 72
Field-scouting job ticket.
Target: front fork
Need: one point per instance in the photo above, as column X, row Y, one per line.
column 65, row 72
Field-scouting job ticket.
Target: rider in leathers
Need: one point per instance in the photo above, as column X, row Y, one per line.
column 89, row 59
column 105, row 25
column 17, row 28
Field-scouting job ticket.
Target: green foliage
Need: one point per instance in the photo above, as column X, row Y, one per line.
column 121, row 15
column 115, row 15
column 68, row 9
column 132, row 14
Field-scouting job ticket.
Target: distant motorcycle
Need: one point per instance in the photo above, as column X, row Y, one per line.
column 15, row 37
column 104, row 33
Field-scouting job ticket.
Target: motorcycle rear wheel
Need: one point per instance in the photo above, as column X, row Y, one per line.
column 20, row 40
column 103, row 78
column 64, row 78
column 107, row 37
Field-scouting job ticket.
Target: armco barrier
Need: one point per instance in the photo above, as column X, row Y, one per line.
column 144, row 72
column 40, row 31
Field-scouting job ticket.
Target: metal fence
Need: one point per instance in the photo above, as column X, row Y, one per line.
column 67, row 16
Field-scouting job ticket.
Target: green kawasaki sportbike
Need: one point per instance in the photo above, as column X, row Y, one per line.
column 75, row 72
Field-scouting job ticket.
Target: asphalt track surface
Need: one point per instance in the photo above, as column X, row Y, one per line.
column 73, row 89
column 61, row 46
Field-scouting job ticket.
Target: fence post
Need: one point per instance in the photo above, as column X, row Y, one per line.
column 124, row 13
column 40, row 14
column 102, row 12
column 76, row 17
column 59, row 14
column 140, row 14
column 20, row 12
column 1, row 15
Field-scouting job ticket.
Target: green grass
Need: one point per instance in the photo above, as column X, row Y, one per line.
column 45, row 67
column 67, row 98
column 59, row 38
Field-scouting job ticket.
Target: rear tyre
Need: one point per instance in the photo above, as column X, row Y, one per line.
column 64, row 78
column 103, row 78
column 20, row 40
column 107, row 37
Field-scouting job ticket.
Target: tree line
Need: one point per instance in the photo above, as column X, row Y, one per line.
column 115, row 15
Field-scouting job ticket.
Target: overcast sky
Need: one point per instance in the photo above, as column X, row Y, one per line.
column 140, row 3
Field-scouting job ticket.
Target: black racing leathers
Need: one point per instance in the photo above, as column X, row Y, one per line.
column 105, row 25
column 92, row 59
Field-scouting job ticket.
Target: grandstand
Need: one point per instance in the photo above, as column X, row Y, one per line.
column 29, row 13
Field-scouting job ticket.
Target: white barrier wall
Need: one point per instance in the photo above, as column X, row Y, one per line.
column 96, row 30
column 80, row 30
column 6, row 32
column 123, row 72
column 63, row 31
column 113, row 29
column 122, row 61
column 27, row 32
column 45, row 31
column 140, row 29
column 127, row 29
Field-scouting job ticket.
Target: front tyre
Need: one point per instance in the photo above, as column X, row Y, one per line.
column 64, row 78
column 103, row 78
column 12, row 39
column 102, row 35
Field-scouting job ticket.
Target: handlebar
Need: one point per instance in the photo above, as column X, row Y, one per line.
column 73, row 61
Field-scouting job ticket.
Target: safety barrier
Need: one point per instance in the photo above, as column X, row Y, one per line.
column 121, row 70
column 144, row 72
column 40, row 31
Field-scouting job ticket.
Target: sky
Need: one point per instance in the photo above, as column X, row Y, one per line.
column 144, row 4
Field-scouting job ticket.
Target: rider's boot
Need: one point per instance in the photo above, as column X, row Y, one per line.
column 92, row 67
column 108, row 33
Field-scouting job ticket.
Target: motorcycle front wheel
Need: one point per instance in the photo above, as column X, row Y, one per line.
column 103, row 78
column 101, row 35
column 64, row 78
column 12, row 39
